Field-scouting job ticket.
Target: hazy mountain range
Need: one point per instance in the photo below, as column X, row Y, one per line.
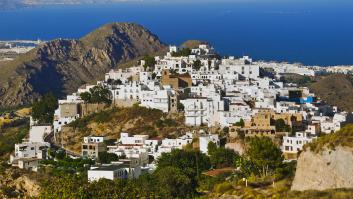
column 13, row 4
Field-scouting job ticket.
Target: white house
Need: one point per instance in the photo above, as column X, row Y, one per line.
column 37, row 133
column 206, row 139
column 158, row 98
column 94, row 139
column 67, row 112
column 30, row 150
column 125, row 139
column 242, row 66
column 123, row 169
column 293, row 145
column 131, row 151
column 203, row 110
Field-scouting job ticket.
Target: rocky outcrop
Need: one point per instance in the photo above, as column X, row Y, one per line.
column 61, row 66
column 16, row 183
column 29, row 187
column 327, row 169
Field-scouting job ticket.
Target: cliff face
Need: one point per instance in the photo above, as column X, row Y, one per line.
column 16, row 183
column 61, row 66
column 328, row 169
column 327, row 162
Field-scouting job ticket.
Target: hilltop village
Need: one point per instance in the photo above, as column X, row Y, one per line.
column 243, row 97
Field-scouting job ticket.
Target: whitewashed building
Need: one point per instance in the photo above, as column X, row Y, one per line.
column 206, row 139
column 293, row 145
column 123, row 169
column 242, row 66
column 37, row 133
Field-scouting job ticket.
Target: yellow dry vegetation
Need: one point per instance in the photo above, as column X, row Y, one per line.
column 24, row 112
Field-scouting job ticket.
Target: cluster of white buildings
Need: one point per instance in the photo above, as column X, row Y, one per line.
column 217, row 90
column 212, row 91
column 28, row 153
column 142, row 151
column 10, row 49
column 333, row 69
column 209, row 91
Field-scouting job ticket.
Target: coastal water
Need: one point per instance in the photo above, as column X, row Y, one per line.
column 313, row 32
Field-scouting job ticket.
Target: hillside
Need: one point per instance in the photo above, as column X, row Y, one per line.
column 193, row 43
column 61, row 66
column 335, row 89
column 327, row 163
column 134, row 120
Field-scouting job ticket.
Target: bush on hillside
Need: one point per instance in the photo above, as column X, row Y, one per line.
column 343, row 137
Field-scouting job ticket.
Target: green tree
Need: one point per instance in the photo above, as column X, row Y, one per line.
column 86, row 96
column 222, row 157
column 192, row 163
column 66, row 187
column 245, row 165
column 182, row 53
column 240, row 123
column 43, row 110
column 196, row 65
column 100, row 94
column 97, row 94
column 211, row 148
column 149, row 62
column 225, row 130
column 174, row 183
column 264, row 155
column 281, row 126
column 180, row 106
column 106, row 158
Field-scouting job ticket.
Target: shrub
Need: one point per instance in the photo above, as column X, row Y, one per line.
column 223, row 187
column 343, row 137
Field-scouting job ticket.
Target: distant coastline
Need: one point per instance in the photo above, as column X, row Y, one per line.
column 17, row 4
column 233, row 28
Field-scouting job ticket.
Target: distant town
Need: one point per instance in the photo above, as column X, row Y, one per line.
column 12, row 48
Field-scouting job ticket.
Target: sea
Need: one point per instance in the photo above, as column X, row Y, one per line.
column 311, row 32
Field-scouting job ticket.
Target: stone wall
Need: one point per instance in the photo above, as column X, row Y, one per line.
column 87, row 109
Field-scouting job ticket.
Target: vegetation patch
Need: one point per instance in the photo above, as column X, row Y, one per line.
column 134, row 120
column 343, row 137
column 10, row 136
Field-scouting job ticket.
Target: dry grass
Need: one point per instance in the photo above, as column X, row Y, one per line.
column 327, row 194
column 336, row 90
column 134, row 120
column 343, row 137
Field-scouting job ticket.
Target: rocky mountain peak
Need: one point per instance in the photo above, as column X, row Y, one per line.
column 62, row 65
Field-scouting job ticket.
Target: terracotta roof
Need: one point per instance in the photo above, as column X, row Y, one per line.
column 217, row 172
